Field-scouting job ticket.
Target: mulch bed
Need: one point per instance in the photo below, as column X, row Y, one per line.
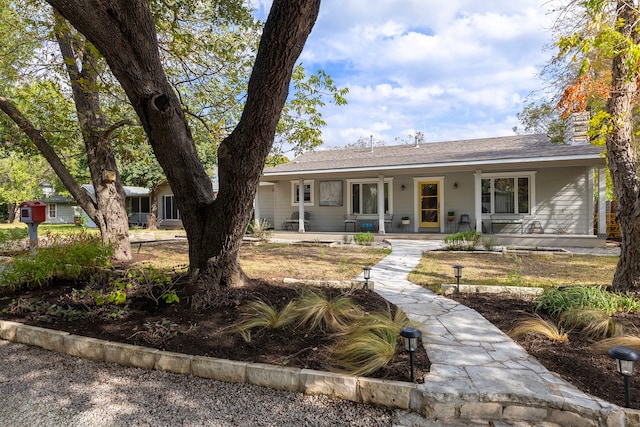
column 574, row 361
column 206, row 331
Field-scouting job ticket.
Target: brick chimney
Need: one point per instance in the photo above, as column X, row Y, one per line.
column 576, row 128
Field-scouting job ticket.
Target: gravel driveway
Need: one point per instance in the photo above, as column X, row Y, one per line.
column 42, row 388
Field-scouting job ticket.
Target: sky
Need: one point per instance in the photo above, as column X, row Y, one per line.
column 451, row 69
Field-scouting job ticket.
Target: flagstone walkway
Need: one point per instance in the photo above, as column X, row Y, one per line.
column 478, row 374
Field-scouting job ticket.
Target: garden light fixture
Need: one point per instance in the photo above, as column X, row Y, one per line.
column 458, row 274
column 367, row 275
column 625, row 358
column 410, row 335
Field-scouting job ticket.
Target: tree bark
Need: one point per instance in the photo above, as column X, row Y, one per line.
column 123, row 31
column 110, row 213
column 622, row 158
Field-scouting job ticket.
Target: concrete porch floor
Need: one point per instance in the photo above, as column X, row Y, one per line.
column 526, row 240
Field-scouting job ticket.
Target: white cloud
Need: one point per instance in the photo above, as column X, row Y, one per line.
column 455, row 69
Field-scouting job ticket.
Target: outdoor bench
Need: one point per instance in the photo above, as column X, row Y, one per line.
column 293, row 222
column 507, row 219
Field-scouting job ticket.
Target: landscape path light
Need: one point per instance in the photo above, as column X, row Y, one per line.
column 367, row 275
column 626, row 358
column 410, row 335
column 458, row 274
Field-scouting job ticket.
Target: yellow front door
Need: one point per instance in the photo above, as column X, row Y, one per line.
column 429, row 203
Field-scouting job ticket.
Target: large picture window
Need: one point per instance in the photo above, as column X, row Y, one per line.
column 308, row 193
column 363, row 197
column 507, row 194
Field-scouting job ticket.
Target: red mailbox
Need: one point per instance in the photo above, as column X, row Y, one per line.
column 33, row 211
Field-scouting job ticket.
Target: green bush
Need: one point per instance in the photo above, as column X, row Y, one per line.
column 67, row 257
column 556, row 301
column 364, row 239
column 13, row 234
column 462, row 241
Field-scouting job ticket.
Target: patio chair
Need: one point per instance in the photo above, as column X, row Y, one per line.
column 388, row 220
column 350, row 220
column 464, row 220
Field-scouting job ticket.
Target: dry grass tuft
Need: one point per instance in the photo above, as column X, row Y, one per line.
column 540, row 327
column 259, row 314
column 315, row 310
column 603, row 346
column 593, row 323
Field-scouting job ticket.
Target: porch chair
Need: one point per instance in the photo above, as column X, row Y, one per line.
column 388, row 219
column 464, row 220
column 350, row 220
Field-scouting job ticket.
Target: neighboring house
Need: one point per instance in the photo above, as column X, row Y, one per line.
column 168, row 213
column 61, row 210
column 64, row 210
column 511, row 185
column 138, row 203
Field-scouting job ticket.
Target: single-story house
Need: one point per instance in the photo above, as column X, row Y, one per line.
column 519, row 185
column 65, row 210
column 168, row 213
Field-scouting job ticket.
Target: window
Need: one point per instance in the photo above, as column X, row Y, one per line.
column 507, row 194
column 308, row 193
column 169, row 208
column 138, row 205
column 53, row 210
column 363, row 197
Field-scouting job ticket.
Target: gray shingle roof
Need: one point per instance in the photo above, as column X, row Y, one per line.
column 500, row 150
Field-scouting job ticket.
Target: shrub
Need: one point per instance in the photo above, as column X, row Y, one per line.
column 555, row 301
column 364, row 239
column 151, row 283
column 462, row 241
column 260, row 230
column 66, row 257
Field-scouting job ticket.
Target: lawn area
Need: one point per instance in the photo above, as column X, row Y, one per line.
column 272, row 261
column 498, row 269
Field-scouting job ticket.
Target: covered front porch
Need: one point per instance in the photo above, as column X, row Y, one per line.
column 524, row 240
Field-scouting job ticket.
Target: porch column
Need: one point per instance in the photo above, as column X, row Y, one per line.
column 380, row 204
column 301, row 205
column 602, row 202
column 477, row 197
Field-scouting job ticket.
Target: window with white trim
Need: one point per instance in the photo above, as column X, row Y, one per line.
column 53, row 210
column 169, row 208
column 508, row 193
column 308, row 192
column 363, row 196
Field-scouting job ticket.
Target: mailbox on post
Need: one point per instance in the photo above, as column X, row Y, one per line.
column 32, row 213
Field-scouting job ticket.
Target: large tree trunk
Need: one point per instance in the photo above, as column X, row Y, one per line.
column 622, row 158
column 111, row 214
column 123, row 31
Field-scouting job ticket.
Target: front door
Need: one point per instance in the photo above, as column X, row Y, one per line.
column 429, row 203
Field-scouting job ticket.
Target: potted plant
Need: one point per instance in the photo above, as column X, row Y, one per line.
column 406, row 220
column 451, row 215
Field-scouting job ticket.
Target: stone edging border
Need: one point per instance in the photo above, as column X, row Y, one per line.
column 387, row 393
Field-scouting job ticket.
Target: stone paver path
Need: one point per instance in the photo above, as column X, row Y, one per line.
column 473, row 362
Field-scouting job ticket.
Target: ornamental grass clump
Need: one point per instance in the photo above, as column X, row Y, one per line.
column 555, row 301
column 369, row 344
column 593, row 323
column 259, row 314
column 315, row 310
column 539, row 327
column 462, row 241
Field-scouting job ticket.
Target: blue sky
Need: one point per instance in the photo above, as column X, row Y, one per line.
column 455, row 69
